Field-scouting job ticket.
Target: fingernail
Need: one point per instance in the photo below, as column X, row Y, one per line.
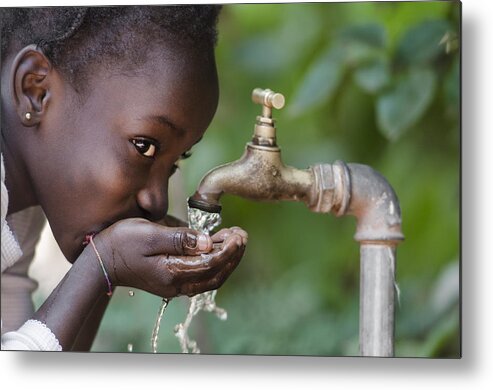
column 190, row 241
column 203, row 242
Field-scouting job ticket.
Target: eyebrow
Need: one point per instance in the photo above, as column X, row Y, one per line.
column 165, row 121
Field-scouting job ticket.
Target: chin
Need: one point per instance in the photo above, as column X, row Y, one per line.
column 72, row 244
column 71, row 248
column 73, row 254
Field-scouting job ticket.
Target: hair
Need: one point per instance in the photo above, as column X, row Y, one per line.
column 75, row 39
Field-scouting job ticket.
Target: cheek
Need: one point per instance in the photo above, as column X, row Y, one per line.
column 110, row 180
column 91, row 178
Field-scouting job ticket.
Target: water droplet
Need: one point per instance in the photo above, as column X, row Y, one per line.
column 130, row 347
column 131, row 293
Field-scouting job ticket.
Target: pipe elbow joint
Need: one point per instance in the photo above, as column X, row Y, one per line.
column 375, row 205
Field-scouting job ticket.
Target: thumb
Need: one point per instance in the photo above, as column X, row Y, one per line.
column 177, row 241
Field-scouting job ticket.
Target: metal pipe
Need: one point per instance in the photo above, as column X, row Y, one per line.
column 361, row 191
column 377, row 297
column 376, row 207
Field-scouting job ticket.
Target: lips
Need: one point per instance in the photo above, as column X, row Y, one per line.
column 88, row 237
column 93, row 232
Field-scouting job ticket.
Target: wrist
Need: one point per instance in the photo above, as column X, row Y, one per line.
column 93, row 261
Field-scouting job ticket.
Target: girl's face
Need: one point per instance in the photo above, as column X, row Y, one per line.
column 110, row 157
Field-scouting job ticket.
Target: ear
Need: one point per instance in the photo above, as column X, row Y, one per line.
column 31, row 84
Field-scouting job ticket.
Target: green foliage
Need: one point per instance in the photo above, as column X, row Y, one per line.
column 402, row 80
column 421, row 45
column 372, row 82
column 319, row 82
column 373, row 76
column 404, row 104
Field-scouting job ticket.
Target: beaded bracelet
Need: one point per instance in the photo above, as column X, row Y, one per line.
column 108, row 282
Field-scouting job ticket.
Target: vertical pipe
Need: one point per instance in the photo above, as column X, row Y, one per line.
column 377, row 297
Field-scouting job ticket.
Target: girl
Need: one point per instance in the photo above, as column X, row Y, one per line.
column 98, row 105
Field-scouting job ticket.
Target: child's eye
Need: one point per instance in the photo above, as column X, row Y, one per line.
column 145, row 147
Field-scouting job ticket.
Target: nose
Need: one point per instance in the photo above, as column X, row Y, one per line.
column 153, row 198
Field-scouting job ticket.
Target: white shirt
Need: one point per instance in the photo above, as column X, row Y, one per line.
column 20, row 233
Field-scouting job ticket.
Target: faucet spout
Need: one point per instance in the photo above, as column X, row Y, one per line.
column 258, row 175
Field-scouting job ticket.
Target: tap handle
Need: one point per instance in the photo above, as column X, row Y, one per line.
column 268, row 98
column 264, row 131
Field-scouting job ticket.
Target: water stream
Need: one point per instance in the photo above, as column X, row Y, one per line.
column 204, row 222
column 157, row 325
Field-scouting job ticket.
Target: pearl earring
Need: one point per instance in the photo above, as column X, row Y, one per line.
column 28, row 116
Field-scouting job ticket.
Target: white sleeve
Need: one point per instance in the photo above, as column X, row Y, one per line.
column 32, row 336
column 10, row 250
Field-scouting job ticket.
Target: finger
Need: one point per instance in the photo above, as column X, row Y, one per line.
column 175, row 241
column 223, row 233
column 200, row 268
column 231, row 245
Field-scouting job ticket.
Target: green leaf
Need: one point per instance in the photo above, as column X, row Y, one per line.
column 403, row 106
column 373, row 76
column 318, row 84
column 369, row 34
column 361, row 43
column 407, row 14
column 421, row 43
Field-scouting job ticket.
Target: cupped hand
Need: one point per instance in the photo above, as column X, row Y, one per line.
column 169, row 261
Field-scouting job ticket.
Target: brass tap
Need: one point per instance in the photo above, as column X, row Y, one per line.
column 339, row 188
column 260, row 173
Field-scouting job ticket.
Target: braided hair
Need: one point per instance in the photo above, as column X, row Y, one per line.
column 77, row 38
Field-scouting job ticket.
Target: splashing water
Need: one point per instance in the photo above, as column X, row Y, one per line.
column 204, row 222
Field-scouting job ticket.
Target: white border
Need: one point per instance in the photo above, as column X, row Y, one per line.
column 473, row 371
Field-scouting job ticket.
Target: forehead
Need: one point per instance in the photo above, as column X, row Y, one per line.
column 179, row 84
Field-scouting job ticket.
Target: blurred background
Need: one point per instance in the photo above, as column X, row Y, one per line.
column 376, row 83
